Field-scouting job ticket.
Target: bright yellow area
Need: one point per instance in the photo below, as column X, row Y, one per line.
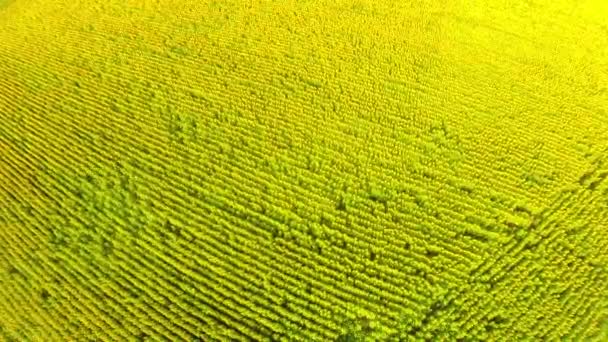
column 303, row 170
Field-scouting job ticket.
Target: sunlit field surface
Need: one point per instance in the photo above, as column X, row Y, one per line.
column 332, row 170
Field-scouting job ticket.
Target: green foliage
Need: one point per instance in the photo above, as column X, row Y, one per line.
column 199, row 94
column 280, row 172
column 362, row 329
column 183, row 127
column 345, row 202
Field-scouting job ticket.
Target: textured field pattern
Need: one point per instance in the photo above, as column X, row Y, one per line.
column 260, row 170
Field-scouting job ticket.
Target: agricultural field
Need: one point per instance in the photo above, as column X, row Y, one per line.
column 298, row 170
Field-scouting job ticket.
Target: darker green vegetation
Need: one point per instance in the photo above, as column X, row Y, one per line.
column 182, row 127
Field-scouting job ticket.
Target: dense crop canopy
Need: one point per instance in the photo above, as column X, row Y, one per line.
column 370, row 170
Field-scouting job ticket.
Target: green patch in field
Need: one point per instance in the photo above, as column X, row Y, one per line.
column 360, row 329
column 182, row 127
column 198, row 94
column 180, row 51
column 5, row 3
column 313, row 83
column 99, row 199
